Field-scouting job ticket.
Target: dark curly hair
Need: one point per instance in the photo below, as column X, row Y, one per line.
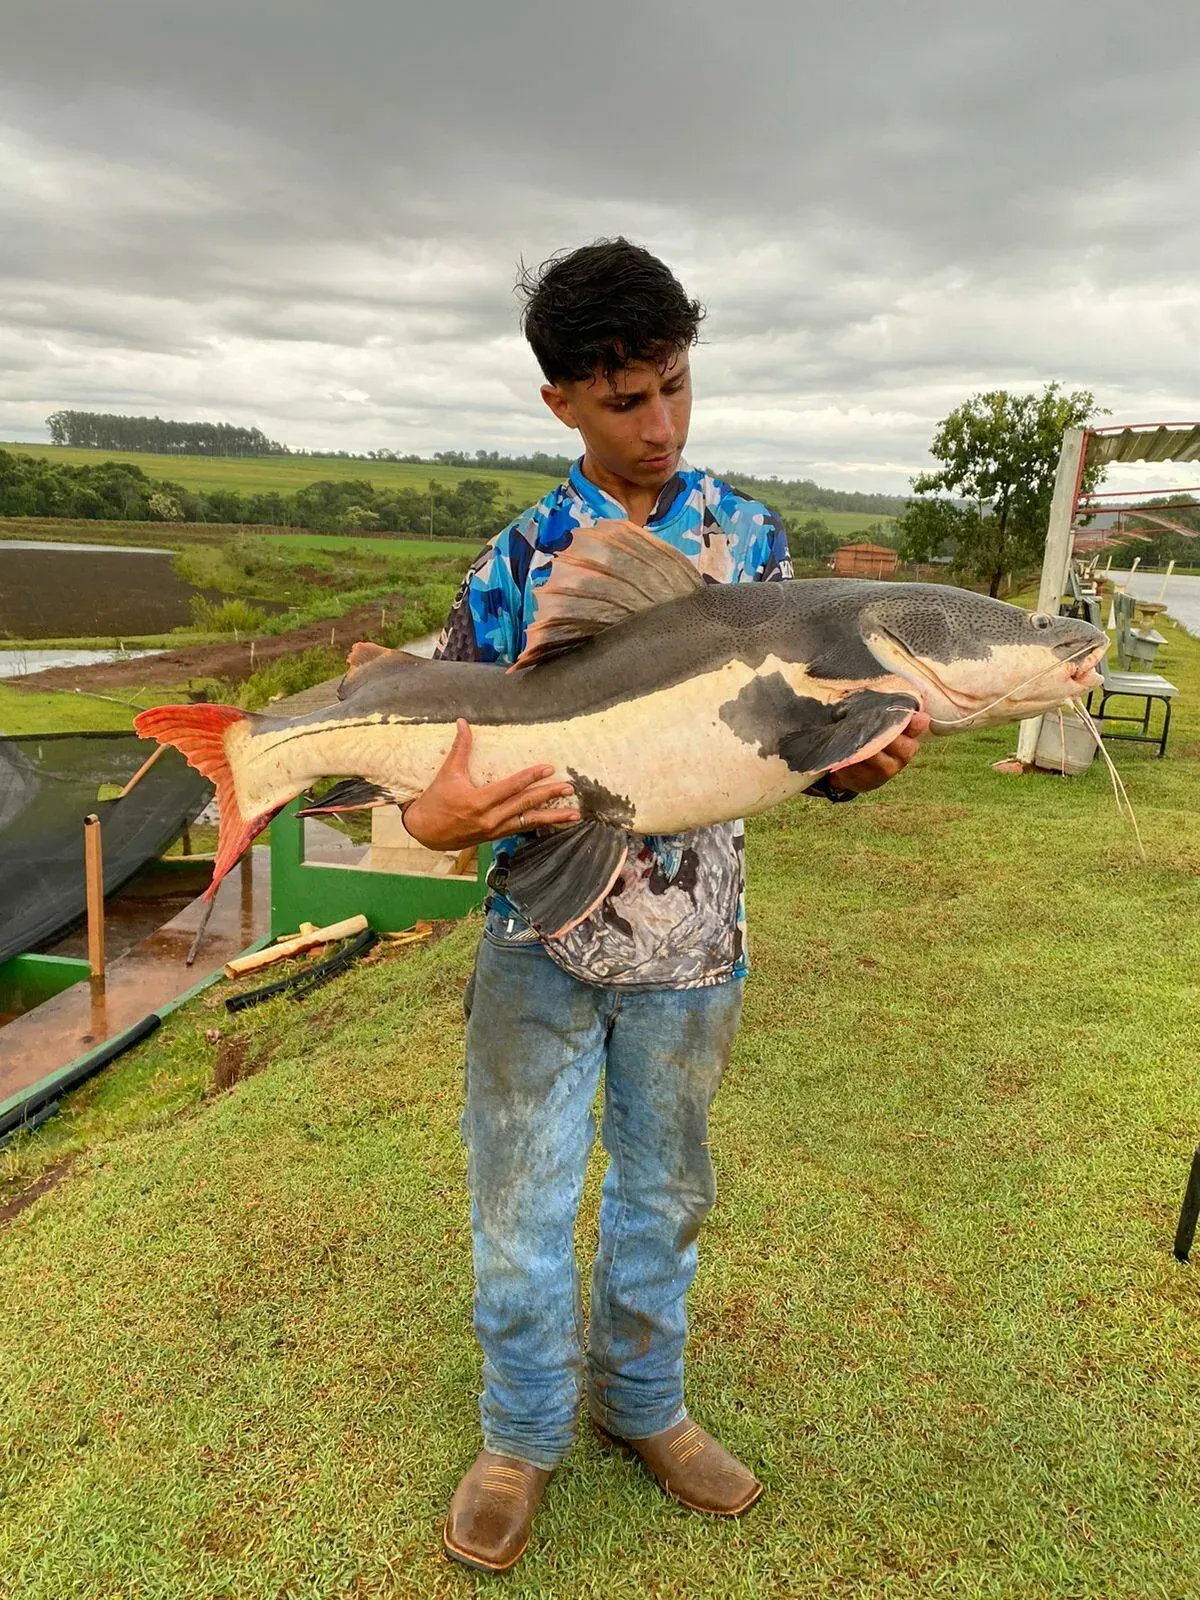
column 604, row 305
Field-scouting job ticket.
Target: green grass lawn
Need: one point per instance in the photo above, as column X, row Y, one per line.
column 61, row 711
column 286, row 474
column 936, row 1309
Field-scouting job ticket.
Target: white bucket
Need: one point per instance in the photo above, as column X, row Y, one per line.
column 1064, row 747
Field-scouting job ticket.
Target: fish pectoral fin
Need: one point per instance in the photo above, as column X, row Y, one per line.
column 351, row 794
column 601, row 579
column 846, row 731
column 367, row 658
column 561, row 876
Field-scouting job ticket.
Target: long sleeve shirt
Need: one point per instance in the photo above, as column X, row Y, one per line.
column 675, row 919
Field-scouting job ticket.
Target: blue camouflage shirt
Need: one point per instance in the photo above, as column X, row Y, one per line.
column 675, row 918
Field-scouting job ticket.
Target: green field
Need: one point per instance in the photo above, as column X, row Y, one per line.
column 846, row 524
column 936, row 1311
column 286, row 474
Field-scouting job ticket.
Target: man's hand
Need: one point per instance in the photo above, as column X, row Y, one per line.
column 454, row 812
column 893, row 758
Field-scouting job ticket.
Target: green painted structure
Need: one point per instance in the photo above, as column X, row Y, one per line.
column 322, row 892
column 25, row 981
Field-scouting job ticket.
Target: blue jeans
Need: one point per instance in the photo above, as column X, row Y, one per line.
column 537, row 1039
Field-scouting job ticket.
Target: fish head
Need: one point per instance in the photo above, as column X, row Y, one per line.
column 979, row 662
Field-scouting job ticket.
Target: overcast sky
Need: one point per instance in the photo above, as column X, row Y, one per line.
column 308, row 214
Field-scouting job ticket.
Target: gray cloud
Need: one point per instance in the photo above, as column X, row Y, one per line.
column 310, row 216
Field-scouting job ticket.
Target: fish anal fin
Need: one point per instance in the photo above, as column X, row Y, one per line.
column 366, row 657
column 599, row 580
column 351, row 794
column 560, row 877
column 849, row 730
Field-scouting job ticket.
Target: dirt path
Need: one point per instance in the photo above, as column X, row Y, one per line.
column 230, row 661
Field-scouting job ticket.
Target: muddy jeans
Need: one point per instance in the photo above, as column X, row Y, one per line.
column 536, row 1042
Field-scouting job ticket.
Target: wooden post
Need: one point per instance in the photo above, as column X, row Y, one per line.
column 1057, row 556
column 93, row 866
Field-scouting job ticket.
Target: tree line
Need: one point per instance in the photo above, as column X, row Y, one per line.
column 104, row 430
column 94, row 430
column 35, row 486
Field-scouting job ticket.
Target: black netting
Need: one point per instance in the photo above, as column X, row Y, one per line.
column 48, row 784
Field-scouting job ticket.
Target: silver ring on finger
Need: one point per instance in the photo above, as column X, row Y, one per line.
column 521, row 818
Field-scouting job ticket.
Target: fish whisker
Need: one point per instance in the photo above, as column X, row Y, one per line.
column 1120, row 793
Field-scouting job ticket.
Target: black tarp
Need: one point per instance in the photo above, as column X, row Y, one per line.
column 48, row 784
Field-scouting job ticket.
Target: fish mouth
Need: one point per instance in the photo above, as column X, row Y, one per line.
column 1086, row 671
column 1081, row 675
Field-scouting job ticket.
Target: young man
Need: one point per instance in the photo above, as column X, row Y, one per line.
column 648, row 988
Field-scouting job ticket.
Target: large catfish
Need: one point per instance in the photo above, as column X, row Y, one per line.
column 667, row 702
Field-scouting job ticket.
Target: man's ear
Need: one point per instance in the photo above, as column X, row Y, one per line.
column 556, row 398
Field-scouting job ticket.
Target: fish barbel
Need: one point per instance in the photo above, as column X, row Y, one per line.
column 667, row 702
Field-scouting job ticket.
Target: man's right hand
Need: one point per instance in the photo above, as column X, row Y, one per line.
column 454, row 812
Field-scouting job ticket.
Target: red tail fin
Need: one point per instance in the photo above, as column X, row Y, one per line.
column 198, row 733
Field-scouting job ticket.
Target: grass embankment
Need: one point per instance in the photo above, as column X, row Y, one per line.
column 57, row 711
column 937, row 1309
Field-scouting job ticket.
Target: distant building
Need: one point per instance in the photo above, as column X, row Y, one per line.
column 865, row 561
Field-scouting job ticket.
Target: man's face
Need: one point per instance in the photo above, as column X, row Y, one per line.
column 634, row 427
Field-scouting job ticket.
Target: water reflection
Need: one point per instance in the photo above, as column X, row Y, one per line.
column 16, row 663
column 1182, row 594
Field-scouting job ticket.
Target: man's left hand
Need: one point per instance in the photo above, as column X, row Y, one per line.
column 886, row 763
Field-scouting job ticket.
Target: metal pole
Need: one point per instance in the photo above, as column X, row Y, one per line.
column 1057, row 556
column 93, row 867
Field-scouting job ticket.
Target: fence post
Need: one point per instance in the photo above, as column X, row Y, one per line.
column 93, row 868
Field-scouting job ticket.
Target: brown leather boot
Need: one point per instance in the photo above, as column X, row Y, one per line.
column 487, row 1526
column 694, row 1469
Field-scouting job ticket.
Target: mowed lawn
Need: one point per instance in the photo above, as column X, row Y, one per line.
column 937, row 1309
column 286, row 474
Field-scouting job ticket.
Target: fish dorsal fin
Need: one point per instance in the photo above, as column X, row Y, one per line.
column 365, row 658
column 600, row 579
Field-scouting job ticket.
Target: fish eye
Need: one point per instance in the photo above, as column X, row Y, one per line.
column 1041, row 620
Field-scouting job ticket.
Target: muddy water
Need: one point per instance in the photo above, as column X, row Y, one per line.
column 57, row 591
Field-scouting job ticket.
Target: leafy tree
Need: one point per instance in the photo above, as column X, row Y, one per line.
column 811, row 538
column 998, row 451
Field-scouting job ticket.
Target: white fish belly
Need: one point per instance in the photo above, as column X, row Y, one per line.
column 667, row 758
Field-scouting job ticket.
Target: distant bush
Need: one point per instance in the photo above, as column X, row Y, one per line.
column 229, row 616
column 164, row 508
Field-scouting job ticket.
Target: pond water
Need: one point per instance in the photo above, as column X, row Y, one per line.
column 64, row 591
column 16, row 663
column 1182, row 596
